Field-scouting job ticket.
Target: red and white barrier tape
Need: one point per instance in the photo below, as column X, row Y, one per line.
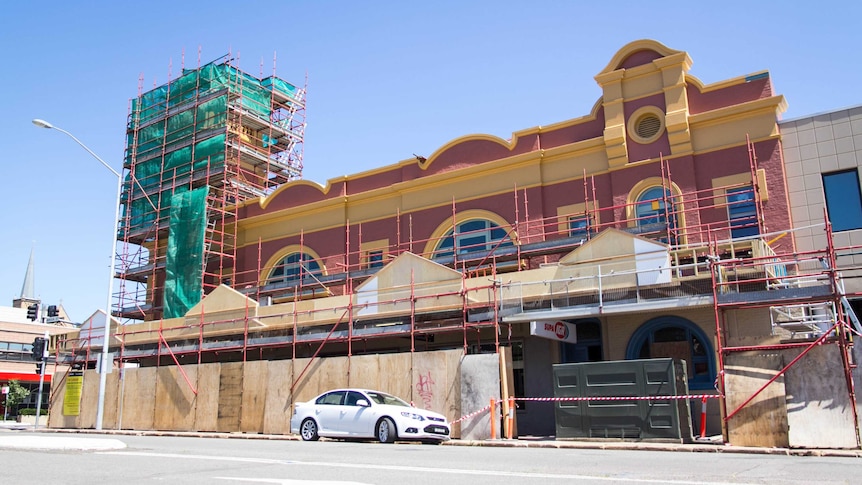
column 619, row 398
column 468, row 416
column 591, row 398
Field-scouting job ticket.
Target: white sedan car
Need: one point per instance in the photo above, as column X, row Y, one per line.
column 361, row 413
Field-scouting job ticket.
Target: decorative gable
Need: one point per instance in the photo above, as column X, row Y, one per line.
column 406, row 281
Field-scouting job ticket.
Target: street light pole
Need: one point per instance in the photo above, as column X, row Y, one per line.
column 103, row 359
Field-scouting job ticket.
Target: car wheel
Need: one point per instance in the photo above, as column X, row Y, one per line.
column 386, row 431
column 308, row 430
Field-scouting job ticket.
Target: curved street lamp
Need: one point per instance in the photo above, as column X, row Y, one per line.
column 103, row 359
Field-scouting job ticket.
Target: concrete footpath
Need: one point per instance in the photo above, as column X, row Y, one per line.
column 92, row 440
column 12, row 439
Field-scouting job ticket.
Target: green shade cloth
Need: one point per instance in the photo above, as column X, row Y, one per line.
column 184, row 266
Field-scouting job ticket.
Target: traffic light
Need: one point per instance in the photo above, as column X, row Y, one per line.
column 53, row 311
column 33, row 312
column 39, row 348
column 39, row 368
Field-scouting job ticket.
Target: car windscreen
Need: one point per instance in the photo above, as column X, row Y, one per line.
column 381, row 398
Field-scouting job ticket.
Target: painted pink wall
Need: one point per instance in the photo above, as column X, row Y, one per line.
column 461, row 155
column 689, row 173
column 699, row 102
column 661, row 146
column 639, row 58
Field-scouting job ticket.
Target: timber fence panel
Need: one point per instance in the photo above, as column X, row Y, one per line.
column 365, row 371
column 56, row 418
column 254, row 387
column 206, row 410
column 279, row 405
column 175, row 399
column 396, row 376
column 763, row 421
column 230, row 396
column 139, row 391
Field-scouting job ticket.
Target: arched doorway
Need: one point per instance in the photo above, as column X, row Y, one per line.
column 676, row 337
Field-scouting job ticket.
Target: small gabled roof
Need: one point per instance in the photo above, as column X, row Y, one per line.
column 94, row 325
column 223, row 298
column 612, row 243
column 409, row 268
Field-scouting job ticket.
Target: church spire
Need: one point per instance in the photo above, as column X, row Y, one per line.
column 28, row 291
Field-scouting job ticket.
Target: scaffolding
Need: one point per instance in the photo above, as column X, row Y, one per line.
column 527, row 244
column 674, row 217
column 725, row 263
column 197, row 147
column 804, row 294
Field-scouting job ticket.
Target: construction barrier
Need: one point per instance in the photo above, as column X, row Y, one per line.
column 473, row 414
column 510, row 418
column 493, row 404
column 620, row 398
column 493, row 409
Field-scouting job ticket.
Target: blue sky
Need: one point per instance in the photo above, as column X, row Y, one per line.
column 385, row 80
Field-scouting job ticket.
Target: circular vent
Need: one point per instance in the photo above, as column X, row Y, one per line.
column 648, row 126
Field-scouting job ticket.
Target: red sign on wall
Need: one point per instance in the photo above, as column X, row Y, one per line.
column 554, row 330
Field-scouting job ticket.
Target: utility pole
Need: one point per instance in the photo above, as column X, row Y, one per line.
column 43, row 361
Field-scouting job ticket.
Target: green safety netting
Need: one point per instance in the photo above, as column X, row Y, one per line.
column 184, row 262
column 195, row 84
column 279, row 85
column 208, row 155
column 172, row 131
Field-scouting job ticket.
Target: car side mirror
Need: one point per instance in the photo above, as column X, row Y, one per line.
column 363, row 403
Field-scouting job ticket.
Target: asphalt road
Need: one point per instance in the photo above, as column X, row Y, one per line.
column 193, row 460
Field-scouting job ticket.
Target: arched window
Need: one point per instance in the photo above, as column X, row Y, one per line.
column 652, row 213
column 670, row 336
column 294, row 267
column 472, row 236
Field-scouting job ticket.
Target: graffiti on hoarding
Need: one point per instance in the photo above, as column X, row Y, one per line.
column 425, row 388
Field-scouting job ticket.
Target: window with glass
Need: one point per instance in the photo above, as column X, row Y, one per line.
column 580, row 226
column 294, row 267
column 589, row 343
column 353, row 398
column 375, row 258
column 741, row 212
column 334, row 398
column 652, row 213
column 471, row 236
column 16, row 351
column 388, row 399
column 843, row 199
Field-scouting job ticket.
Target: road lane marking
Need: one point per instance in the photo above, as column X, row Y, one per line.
column 402, row 468
column 288, row 481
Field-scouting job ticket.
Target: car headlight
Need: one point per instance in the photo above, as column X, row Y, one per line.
column 410, row 415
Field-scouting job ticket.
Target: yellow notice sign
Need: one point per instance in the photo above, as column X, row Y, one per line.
column 72, row 399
